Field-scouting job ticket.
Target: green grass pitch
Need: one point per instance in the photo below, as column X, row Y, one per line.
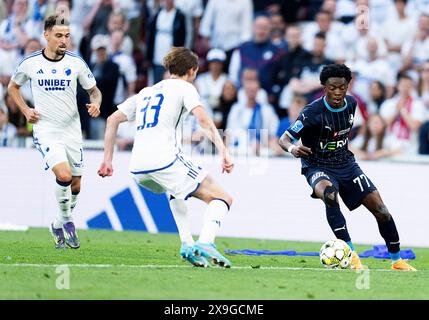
column 137, row 265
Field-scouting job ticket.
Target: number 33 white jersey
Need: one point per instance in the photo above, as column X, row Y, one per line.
column 158, row 112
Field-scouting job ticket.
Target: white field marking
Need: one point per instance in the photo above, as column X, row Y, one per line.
column 168, row 266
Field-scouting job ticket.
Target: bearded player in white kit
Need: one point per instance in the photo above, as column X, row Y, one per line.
column 157, row 162
column 54, row 72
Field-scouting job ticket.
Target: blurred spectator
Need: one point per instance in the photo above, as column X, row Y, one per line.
column 380, row 11
column 373, row 68
column 106, row 72
column 38, row 11
column 127, row 68
column 211, row 83
column 290, row 64
column 334, row 49
column 278, row 28
column 361, row 113
column 97, row 19
column 250, row 74
column 96, row 23
column 4, row 9
column 15, row 30
column 377, row 95
column 404, row 114
column 307, row 82
column 423, row 87
column 345, row 11
column 227, row 100
column 117, row 21
column 17, row 118
column 416, row 51
column 8, row 132
column 226, row 24
column 251, row 126
column 404, row 26
column 81, row 10
column 14, row 33
column 193, row 11
column 31, row 46
column 259, row 53
column 424, row 139
column 166, row 29
column 298, row 103
column 372, row 144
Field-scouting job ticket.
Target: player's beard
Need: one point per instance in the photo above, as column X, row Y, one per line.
column 61, row 51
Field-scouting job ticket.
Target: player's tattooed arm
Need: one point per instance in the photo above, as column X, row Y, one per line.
column 95, row 98
column 297, row 151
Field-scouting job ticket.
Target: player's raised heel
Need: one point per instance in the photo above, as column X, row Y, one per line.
column 402, row 265
column 209, row 251
column 188, row 255
column 71, row 236
column 58, row 235
column 356, row 264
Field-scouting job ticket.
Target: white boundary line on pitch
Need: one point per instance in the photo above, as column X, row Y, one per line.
column 154, row 266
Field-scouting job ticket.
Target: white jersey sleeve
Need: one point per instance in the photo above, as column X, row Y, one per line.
column 85, row 76
column 128, row 107
column 21, row 75
column 191, row 97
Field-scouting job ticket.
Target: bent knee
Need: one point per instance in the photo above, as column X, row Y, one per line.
column 382, row 214
column 330, row 196
column 64, row 175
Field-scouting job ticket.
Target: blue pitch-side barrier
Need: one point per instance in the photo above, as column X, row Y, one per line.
column 378, row 252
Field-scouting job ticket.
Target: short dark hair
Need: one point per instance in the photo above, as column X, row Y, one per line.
column 55, row 20
column 403, row 75
column 335, row 71
column 320, row 35
column 179, row 60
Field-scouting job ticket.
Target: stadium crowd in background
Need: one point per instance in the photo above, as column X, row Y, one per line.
column 259, row 62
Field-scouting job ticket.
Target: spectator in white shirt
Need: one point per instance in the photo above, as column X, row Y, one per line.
column 404, row 28
column 127, row 68
column 373, row 68
column 226, row 24
column 167, row 28
column 415, row 51
column 210, row 84
column 251, row 126
column 334, row 49
column 404, row 114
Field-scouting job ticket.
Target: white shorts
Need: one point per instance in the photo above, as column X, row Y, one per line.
column 55, row 150
column 180, row 179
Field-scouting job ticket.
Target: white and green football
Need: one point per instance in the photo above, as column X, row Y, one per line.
column 335, row 254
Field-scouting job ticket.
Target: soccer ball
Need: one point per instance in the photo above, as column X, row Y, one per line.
column 335, row 254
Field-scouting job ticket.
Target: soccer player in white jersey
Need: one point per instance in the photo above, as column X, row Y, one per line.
column 54, row 72
column 157, row 162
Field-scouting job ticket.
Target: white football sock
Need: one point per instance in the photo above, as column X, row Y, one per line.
column 73, row 201
column 213, row 217
column 180, row 214
column 63, row 195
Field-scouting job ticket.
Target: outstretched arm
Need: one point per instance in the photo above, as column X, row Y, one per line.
column 95, row 98
column 210, row 131
column 113, row 121
column 297, row 151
